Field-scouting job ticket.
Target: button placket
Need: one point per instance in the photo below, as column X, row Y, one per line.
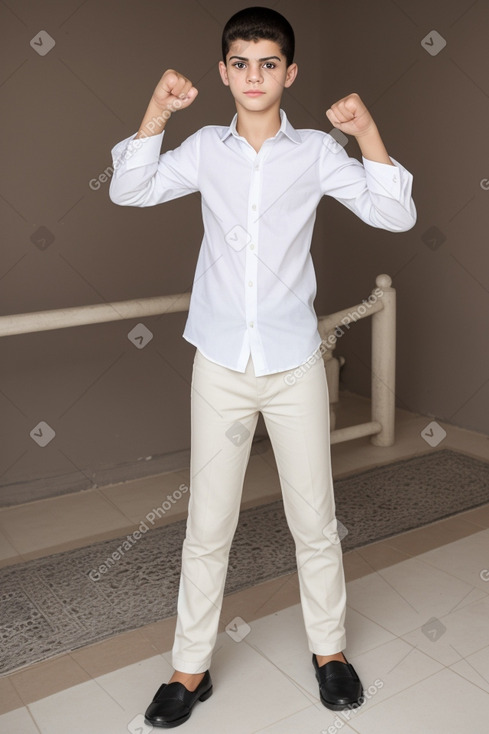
column 251, row 260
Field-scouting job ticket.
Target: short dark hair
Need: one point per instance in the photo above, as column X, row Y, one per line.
column 251, row 24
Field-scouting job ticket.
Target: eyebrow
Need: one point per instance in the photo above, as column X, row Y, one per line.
column 243, row 58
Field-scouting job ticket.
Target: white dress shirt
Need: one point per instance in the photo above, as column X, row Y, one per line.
column 254, row 283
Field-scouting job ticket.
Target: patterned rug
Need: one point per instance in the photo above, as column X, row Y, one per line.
column 62, row 602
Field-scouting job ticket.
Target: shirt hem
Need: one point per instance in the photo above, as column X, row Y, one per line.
column 263, row 374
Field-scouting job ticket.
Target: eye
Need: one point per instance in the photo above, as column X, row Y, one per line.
column 238, row 64
column 270, row 63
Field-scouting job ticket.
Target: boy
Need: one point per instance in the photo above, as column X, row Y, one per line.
column 252, row 320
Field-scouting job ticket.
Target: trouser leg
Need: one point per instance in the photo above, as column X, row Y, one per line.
column 297, row 420
column 223, row 422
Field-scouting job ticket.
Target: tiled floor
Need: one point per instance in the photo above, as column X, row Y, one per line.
column 417, row 619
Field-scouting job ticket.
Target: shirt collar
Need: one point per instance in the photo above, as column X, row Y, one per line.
column 285, row 128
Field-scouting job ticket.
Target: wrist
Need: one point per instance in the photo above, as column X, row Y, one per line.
column 154, row 120
column 159, row 113
column 372, row 146
column 370, row 133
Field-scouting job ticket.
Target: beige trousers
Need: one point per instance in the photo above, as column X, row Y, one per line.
column 224, row 413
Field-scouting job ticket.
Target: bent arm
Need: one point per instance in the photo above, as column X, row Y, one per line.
column 378, row 192
column 143, row 177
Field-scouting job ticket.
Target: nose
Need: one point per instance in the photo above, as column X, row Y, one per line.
column 254, row 74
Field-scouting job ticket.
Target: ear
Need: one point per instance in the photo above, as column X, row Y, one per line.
column 291, row 75
column 224, row 73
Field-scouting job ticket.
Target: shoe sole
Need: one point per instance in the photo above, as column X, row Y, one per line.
column 176, row 722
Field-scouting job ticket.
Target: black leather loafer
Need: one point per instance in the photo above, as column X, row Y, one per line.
column 172, row 704
column 339, row 685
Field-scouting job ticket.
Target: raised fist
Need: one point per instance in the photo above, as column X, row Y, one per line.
column 174, row 91
column 351, row 116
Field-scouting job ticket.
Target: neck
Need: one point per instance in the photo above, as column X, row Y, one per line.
column 257, row 126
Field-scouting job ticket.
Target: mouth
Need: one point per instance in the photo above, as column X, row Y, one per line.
column 254, row 93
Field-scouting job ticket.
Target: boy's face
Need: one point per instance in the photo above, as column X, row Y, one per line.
column 259, row 66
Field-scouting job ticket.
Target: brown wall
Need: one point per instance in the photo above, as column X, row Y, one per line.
column 111, row 404
column 432, row 112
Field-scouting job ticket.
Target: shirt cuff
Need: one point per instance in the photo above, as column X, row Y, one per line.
column 133, row 153
column 384, row 179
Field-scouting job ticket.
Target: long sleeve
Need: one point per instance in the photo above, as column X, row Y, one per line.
column 378, row 193
column 143, row 177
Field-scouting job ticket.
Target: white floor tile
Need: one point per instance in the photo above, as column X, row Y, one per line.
column 389, row 669
column 445, row 703
column 362, row 634
column 135, row 685
column 475, row 668
column 407, row 595
column 18, row 720
column 457, row 635
column 79, row 710
column 310, row 719
column 466, row 558
column 282, row 640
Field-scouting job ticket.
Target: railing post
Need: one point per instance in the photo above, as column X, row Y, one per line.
column 384, row 363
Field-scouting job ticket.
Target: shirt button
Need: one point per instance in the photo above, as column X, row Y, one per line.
column 252, row 246
column 251, row 323
column 250, row 282
column 254, row 207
